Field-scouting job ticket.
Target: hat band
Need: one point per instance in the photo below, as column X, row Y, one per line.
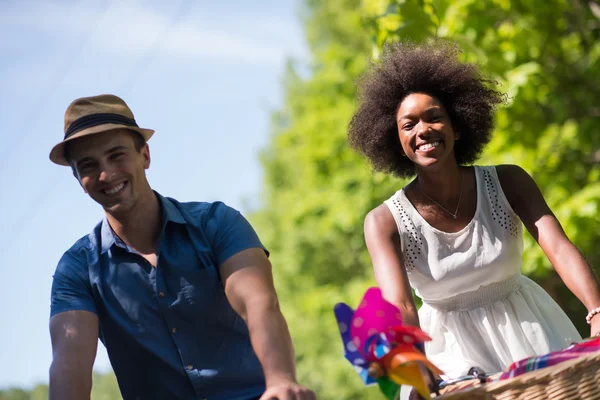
column 91, row 120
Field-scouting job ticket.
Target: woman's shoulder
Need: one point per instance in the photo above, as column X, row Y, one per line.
column 510, row 175
column 514, row 181
column 380, row 221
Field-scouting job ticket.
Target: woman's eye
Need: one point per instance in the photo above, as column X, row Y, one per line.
column 407, row 127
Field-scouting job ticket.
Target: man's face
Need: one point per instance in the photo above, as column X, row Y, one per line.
column 110, row 169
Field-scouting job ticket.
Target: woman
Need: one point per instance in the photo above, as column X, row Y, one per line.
column 454, row 232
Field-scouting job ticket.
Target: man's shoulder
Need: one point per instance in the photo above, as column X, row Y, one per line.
column 191, row 207
column 202, row 210
column 78, row 252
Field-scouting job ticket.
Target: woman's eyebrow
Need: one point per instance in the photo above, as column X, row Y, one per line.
column 428, row 110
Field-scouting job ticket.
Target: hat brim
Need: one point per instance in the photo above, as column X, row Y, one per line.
column 57, row 154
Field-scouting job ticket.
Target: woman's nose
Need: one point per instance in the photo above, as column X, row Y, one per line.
column 422, row 128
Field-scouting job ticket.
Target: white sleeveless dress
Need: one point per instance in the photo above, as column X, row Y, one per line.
column 477, row 307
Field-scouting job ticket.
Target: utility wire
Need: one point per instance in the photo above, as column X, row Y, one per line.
column 37, row 201
column 58, row 78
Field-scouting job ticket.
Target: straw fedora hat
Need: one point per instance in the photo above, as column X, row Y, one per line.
column 96, row 114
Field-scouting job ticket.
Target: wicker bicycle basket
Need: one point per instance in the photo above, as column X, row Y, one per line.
column 574, row 379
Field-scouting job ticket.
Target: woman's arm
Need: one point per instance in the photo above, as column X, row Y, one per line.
column 383, row 243
column 527, row 201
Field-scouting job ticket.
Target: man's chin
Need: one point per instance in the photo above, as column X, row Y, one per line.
column 116, row 209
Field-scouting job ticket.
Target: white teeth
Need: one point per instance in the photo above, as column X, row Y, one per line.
column 115, row 189
column 428, row 146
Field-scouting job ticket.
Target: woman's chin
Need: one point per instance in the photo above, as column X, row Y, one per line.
column 428, row 163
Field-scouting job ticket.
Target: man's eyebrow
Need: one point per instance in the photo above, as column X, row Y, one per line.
column 83, row 160
column 111, row 150
column 116, row 148
column 430, row 109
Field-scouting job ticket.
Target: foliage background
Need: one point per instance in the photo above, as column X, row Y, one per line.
column 543, row 53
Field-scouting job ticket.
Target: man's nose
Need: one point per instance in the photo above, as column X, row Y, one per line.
column 106, row 174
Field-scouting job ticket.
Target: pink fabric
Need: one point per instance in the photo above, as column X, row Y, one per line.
column 547, row 360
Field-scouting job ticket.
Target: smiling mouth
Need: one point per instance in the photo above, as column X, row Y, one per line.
column 115, row 189
column 428, row 146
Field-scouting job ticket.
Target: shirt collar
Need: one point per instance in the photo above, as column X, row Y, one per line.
column 169, row 212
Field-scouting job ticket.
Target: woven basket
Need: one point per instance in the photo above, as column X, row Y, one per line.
column 574, row 379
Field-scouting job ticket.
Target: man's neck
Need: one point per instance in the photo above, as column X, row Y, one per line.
column 140, row 227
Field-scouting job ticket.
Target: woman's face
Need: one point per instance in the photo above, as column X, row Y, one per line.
column 425, row 130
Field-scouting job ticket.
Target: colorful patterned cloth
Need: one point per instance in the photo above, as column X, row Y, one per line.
column 547, row 360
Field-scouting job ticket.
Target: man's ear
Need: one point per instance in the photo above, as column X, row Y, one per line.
column 77, row 178
column 146, row 155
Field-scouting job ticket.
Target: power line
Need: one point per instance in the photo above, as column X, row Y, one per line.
column 50, row 186
column 59, row 77
column 183, row 9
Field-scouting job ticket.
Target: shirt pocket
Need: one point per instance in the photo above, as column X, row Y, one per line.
column 200, row 286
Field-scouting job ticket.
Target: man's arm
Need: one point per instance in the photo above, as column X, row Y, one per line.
column 74, row 336
column 250, row 290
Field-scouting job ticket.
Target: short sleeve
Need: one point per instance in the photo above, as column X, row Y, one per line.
column 71, row 289
column 229, row 232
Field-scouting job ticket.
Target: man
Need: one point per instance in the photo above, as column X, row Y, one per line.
column 181, row 294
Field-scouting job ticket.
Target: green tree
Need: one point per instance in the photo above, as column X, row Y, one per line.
column 104, row 388
column 544, row 55
column 317, row 191
column 14, row 394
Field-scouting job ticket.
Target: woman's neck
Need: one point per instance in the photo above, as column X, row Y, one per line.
column 442, row 184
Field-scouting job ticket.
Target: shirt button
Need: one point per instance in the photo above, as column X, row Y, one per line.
column 190, row 367
column 161, row 294
column 174, row 330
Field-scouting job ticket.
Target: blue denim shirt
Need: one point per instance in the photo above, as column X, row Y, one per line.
column 169, row 331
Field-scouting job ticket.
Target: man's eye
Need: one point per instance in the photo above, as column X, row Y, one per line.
column 115, row 156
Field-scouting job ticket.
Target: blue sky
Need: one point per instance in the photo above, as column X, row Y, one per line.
column 204, row 74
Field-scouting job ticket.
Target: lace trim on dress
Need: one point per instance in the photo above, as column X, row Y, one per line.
column 499, row 213
column 414, row 243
